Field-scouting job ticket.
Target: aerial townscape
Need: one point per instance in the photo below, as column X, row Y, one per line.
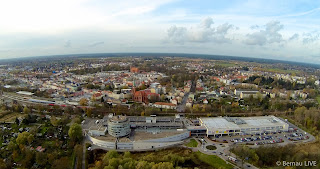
column 159, row 84
column 163, row 111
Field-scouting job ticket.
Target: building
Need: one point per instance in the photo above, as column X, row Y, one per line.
column 148, row 133
column 164, row 105
column 98, row 130
column 134, row 70
column 118, row 126
column 238, row 92
column 154, row 123
column 25, row 93
column 223, row 126
column 254, row 94
column 144, row 96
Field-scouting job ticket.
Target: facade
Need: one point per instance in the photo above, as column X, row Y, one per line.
column 101, row 131
column 155, row 124
column 118, row 126
column 221, row 126
column 143, row 96
column 164, row 105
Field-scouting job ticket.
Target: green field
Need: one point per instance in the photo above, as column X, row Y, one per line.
column 213, row 160
column 192, row 143
column 10, row 117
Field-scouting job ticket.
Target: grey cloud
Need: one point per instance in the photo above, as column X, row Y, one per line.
column 254, row 27
column 204, row 32
column 177, row 34
column 311, row 37
column 224, row 28
column 294, row 37
column 96, row 44
column 272, row 30
column 256, row 38
column 268, row 35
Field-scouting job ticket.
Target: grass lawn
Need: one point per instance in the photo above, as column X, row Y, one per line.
column 213, row 160
column 10, row 117
column 192, row 143
column 277, row 70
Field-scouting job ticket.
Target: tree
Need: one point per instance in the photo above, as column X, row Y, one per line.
column 83, row 102
column 257, row 81
column 299, row 114
column 54, row 121
column 41, row 158
column 17, row 121
column 75, row 132
column 89, row 112
column 68, row 110
column 62, row 163
column 12, row 146
column 2, row 163
column 163, row 165
column 111, row 154
column 24, row 137
column 76, row 120
column 127, row 154
column 26, row 110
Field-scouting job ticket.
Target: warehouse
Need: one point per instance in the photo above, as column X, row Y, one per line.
column 223, row 126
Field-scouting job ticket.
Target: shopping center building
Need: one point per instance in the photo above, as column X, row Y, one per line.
column 223, row 126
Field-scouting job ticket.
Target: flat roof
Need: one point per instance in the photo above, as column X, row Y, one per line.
column 247, row 122
column 25, row 93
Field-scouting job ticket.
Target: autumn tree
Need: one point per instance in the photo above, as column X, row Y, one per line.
column 75, row 132
column 26, row 110
column 41, row 158
column 24, row 138
column 83, row 102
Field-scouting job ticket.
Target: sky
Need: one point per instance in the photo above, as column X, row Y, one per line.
column 273, row 29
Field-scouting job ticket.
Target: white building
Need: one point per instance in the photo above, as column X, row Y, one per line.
column 243, row 125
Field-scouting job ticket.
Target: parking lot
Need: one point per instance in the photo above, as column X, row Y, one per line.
column 293, row 136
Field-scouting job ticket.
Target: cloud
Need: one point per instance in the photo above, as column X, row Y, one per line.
column 294, row 37
column 311, row 37
column 266, row 36
column 206, row 23
column 67, row 44
column 253, row 27
column 177, row 34
column 203, row 32
column 256, row 38
column 96, row 44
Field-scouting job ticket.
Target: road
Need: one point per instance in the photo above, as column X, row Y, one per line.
column 224, row 148
column 222, row 151
column 84, row 155
column 182, row 106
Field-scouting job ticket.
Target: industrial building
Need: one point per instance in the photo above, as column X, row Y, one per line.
column 222, row 126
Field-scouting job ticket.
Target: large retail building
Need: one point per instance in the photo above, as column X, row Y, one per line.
column 221, row 126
